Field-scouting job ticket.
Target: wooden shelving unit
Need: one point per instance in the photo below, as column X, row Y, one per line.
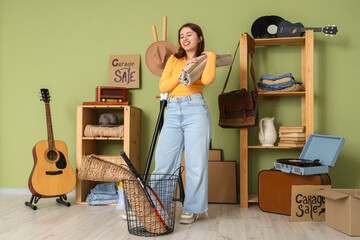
column 275, row 147
column 247, row 45
column 279, row 94
column 89, row 114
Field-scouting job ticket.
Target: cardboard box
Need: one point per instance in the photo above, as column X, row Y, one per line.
column 306, row 205
column 342, row 209
column 124, row 71
column 221, row 179
column 215, row 155
column 222, row 182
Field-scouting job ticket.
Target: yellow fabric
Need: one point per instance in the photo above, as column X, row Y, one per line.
column 169, row 81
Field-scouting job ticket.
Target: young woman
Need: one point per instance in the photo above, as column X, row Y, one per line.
column 187, row 125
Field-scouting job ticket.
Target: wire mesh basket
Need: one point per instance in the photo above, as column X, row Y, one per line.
column 141, row 219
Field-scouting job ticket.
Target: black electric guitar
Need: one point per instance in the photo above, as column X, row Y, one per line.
column 288, row 29
column 52, row 174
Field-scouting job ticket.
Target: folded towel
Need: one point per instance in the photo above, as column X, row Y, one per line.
column 193, row 71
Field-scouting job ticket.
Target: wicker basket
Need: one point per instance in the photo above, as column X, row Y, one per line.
column 96, row 169
column 165, row 188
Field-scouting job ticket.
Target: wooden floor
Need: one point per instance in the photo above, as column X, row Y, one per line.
column 225, row 221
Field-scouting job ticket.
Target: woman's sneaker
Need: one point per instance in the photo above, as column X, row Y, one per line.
column 188, row 218
column 131, row 214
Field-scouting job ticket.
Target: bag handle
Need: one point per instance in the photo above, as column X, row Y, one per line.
column 252, row 72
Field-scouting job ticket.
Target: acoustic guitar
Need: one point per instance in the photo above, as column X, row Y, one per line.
column 288, row 29
column 52, row 174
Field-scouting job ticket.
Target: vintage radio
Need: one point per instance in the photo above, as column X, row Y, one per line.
column 109, row 96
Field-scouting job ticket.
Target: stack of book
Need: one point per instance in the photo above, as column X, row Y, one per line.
column 292, row 136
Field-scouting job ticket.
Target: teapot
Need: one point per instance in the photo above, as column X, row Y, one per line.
column 267, row 133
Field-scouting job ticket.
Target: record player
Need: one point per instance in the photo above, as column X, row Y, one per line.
column 319, row 152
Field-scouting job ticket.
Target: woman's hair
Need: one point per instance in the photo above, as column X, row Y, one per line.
column 181, row 52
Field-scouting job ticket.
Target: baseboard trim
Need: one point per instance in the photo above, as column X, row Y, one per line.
column 24, row 191
column 15, row 191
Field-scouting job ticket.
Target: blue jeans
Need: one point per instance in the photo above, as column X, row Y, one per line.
column 270, row 77
column 187, row 125
column 277, row 86
column 104, row 193
column 105, row 188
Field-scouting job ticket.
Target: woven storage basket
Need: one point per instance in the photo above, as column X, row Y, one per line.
column 96, row 169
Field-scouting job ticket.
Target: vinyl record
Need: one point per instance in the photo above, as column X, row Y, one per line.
column 266, row 26
column 299, row 162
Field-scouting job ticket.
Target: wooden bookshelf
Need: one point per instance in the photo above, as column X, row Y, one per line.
column 89, row 114
column 248, row 44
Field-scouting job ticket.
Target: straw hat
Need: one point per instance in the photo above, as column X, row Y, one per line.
column 157, row 54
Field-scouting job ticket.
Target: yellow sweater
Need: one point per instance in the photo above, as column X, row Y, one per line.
column 169, row 81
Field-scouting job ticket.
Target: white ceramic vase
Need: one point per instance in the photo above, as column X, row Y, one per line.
column 267, row 133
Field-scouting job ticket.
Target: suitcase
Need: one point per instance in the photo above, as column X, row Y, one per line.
column 323, row 148
column 275, row 189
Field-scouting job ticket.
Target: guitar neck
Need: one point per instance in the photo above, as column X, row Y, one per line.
column 315, row 29
column 49, row 127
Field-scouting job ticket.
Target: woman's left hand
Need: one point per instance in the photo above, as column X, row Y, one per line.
column 206, row 52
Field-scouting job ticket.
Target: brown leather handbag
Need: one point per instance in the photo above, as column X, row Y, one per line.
column 239, row 108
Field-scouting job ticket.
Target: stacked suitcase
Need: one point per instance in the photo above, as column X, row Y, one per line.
column 275, row 185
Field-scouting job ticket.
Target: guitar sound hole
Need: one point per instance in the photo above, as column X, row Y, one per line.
column 293, row 30
column 52, row 155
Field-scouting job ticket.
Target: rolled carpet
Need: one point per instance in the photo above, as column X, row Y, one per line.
column 193, row 71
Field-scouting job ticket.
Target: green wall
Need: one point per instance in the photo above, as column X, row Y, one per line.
column 65, row 46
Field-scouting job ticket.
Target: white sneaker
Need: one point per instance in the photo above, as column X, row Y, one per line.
column 123, row 215
column 188, row 218
column 132, row 215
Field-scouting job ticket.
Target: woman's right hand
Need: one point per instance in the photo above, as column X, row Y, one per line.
column 206, row 52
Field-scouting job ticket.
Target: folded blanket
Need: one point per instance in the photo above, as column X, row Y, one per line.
column 193, row 71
